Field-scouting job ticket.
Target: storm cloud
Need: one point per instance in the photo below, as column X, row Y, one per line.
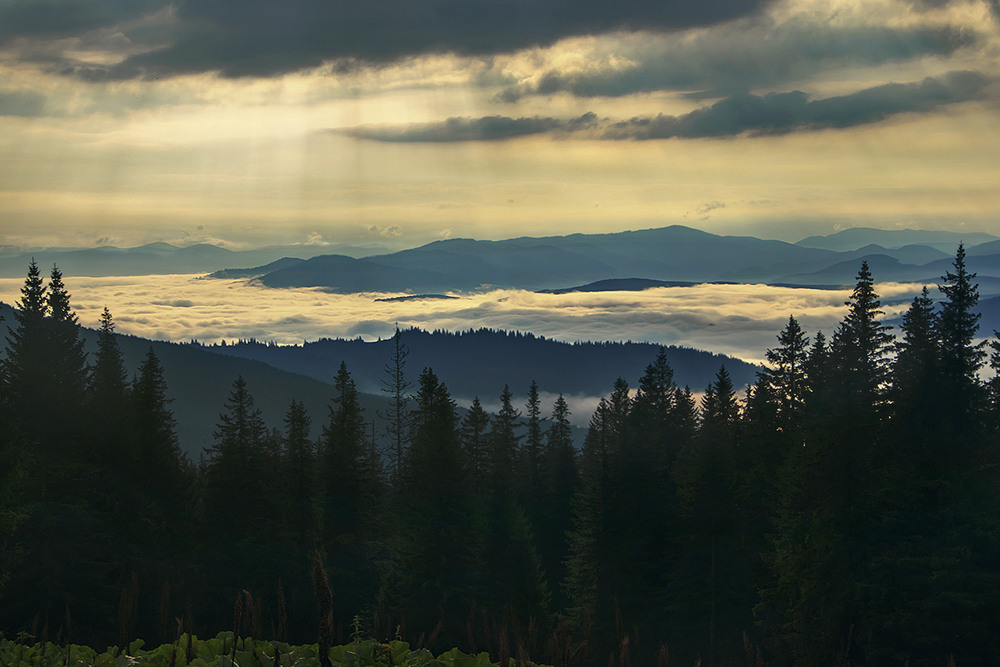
column 774, row 113
column 742, row 56
column 780, row 113
column 265, row 38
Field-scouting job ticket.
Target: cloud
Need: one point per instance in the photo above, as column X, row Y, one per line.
column 740, row 320
column 738, row 57
column 488, row 128
column 774, row 113
column 780, row 113
column 21, row 103
column 63, row 18
column 263, row 38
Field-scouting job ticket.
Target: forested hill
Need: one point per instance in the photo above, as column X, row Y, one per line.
column 481, row 362
column 198, row 383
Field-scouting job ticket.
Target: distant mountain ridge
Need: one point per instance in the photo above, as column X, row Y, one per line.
column 158, row 258
column 856, row 237
column 673, row 256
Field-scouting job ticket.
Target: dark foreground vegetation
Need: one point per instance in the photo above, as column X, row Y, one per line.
column 844, row 511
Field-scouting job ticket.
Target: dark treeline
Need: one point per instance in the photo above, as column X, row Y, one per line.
column 844, row 510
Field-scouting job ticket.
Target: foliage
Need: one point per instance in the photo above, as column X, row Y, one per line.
column 221, row 651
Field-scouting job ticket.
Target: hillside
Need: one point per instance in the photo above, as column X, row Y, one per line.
column 480, row 363
column 199, row 382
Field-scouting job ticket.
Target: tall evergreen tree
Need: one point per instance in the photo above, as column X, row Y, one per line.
column 516, row 574
column 437, row 556
column 348, row 503
column 475, row 443
column 163, row 469
column 397, row 387
column 299, row 465
column 786, row 376
column 961, row 396
column 860, row 350
column 68, row 360
column 554, row 514
column 237, row 457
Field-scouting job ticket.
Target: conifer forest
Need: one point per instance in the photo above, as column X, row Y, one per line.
column 844, row 509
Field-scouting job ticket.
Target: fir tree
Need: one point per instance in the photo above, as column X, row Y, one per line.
column 960, row 397
column 237, row 457
column 163, row 466
column 300, row 462
column 397, row 387
column 348, row 505
column 475, row 443
column 558, row 484
column 786, row 377
column 436, row 557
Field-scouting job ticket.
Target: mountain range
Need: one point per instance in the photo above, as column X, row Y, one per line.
column 673, row 254
column 158, row 258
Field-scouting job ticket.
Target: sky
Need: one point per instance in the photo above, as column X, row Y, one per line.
column 252, row 122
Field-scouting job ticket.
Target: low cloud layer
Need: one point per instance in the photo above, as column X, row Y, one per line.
column 739, row 320
column 774, row 113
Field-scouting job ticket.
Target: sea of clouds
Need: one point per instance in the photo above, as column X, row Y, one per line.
column 738, row 320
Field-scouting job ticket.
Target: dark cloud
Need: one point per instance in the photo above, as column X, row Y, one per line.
column 18, row 103
column 745, row 55
column 780, row 113
column 65, row 18
column 265, row 37
column 488, row 128
column 775, row 113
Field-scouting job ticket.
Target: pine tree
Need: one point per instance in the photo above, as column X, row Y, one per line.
column 108, row 378
column 531, row 454
column 708, row 600
column 436, row 557
column 505, row 447
column 916, row 383
column 860, row 350
column 67, row 359
column 961, row 396
column 475, row 443
column 560, row 477
column 396, row 386
column 786, row 377
column 348, row 505
column 300, row 461
column 343, row 452
column 24, row 367
column 235, row 460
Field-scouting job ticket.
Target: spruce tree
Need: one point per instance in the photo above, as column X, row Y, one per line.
column 786, row 376
column 300, row 461
column 436, row 557
column 475, row 443
column 68, row 363
column 163, row 468
column 235, row 460
column 916, row 383
column 348, row 503
column 960, row 395
column 397, row 387
column 554, row 514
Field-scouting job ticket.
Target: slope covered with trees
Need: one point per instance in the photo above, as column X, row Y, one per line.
column 845, row 509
